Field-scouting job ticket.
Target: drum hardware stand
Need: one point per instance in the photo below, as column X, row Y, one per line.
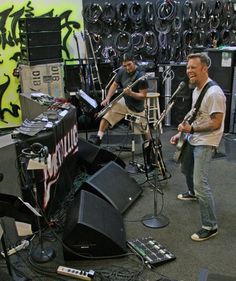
column 132, row 167
column 156, row 220
column 40, row 254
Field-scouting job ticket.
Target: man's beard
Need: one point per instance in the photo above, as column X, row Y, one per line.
column 192, row 85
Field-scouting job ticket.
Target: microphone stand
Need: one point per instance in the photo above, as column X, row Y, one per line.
column 40, row 254
column 156, row 220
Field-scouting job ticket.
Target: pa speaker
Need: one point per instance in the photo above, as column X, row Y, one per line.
column 42, row 38
column 93, row 228
column 37, row 24
column 94, row 158
column 115, row 185
column 36, row 53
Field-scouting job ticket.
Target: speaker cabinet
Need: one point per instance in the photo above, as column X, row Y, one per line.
column 37, row 24
column 37, row 53
column 72, row 77
column 93, row 228
column 222, row 68
column 40, row 38
column 8, row 169
column 114, row 184
column 170, row 77
column 94, row 158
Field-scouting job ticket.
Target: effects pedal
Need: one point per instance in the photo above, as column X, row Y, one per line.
column 79, row 274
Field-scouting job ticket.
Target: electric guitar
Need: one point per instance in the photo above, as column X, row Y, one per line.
column 182, row 139
column 108, row 107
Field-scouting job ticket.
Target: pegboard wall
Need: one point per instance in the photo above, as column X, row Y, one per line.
column 162, row 31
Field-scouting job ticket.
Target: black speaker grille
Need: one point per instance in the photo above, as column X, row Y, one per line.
column 115, row 185
column 93, row 228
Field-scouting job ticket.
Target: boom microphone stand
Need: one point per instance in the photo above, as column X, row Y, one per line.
column 40, row 254
column 156, row 220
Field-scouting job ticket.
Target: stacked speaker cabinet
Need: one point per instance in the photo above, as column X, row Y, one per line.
column 170, row 76
column 40, row 40
column 222, row 70
column 94, row 225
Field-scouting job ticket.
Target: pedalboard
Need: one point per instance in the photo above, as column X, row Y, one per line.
column 151, row 251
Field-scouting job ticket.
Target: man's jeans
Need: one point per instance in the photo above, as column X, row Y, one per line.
column 195, row 165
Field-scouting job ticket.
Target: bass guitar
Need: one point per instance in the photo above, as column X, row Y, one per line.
column 109, row 106
column 182, row 139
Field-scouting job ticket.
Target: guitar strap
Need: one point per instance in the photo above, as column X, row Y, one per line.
column 200, row 98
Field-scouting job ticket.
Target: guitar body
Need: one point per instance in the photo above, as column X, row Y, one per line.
column 179, row 148
column 182, row 139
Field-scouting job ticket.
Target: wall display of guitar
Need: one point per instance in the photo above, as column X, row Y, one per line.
column 182, row 139
column 108, row 107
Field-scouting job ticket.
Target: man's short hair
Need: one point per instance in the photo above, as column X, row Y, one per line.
column 204, row 58
column 127, row 57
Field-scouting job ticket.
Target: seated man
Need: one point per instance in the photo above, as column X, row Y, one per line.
column 132, row 101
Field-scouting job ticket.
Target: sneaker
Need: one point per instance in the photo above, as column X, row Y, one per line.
column 204, row 234
column 186, row 196
column 95, row 140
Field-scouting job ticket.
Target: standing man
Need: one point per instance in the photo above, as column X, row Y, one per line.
column 203, row 137
column 131, row 103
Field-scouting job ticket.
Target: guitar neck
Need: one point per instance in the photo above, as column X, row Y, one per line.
column 107, row 108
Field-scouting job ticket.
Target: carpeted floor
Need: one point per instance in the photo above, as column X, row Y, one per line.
column 217, row 254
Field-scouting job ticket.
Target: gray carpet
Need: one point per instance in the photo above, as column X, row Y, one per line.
column 217, row 254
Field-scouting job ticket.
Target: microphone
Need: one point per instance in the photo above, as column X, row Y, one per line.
column 180, row 88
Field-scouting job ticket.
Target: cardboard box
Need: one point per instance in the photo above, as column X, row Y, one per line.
column 44, row 78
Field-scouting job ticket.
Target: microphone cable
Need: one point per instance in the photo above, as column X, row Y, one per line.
column 135, row 12
column 123, row 41
column 108, row 13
